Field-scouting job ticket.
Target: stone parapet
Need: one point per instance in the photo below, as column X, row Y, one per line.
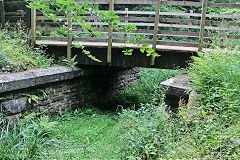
column 59, row 89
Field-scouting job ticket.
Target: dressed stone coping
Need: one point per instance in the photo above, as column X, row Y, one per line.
column 26, row 79
column 177, row 86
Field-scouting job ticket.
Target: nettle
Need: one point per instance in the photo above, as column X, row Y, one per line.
column 75, row 12
column 5, row 62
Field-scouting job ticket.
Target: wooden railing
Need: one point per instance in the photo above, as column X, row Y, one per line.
column 163, row 30
column 14, row 13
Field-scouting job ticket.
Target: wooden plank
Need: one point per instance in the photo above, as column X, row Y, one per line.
column 2, row 10
column 116, row 40
column 180, row 26
column 69, row 37
column 162, row 19
column 63, row 39
column 224, row 5
column 152, row 13
column 194, row 34
column 33, row 26
column 194, row 21
column 110, row 30
column 106, row 2
column 125, row 20
column 172, row 3
column 177, row 43
column 203, row 21
column 181, row 3
column 15, row 13
column 155, row 34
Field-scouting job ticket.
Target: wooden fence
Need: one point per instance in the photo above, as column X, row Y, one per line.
column 163, row 30
column 14, row 12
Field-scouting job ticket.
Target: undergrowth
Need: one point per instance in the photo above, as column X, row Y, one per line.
column 17, row 55
column 144, row 129
column 143, row 92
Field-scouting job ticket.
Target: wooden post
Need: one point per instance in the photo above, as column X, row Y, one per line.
column 156, row 28
column 110, row 34
column 126, row 20
column 202, row 25
column 2, row 14
column 69, row 37
column 190, row 25
column 28, row 16
column 33, row 26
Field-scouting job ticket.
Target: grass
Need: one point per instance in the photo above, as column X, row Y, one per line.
column 208, row 129
column 95, row 134
column 145, row 129
column 88, row 134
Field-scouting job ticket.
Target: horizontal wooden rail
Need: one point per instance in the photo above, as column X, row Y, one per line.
column 172, row 3
column 191, row 30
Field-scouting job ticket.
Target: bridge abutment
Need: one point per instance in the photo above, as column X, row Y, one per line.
column 59, row 89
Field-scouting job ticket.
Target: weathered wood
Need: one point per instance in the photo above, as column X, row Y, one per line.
column 155, row 35
column 69, row 37
column 110, row 34
column 2, row 10
column 183, row 25
column 173, row 3
column 126, row 20
column 202, row 25
column 190, row 24
column 28, row 17
column 224, row 5
column 33, row 26
column 152, row 13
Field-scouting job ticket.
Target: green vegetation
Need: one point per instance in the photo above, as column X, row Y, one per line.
column 94, row 134
column 84, row 134
column 19, row 141
column 141, row 127
column 208, row 129
column 144, row 91
column 17, row 55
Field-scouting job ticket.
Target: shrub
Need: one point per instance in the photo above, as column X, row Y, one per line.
column 145, row 133
column 216, row 76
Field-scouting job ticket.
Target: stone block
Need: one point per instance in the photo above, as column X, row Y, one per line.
column 15, row 106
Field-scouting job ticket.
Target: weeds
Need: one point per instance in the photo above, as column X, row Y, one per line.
column 17, row 55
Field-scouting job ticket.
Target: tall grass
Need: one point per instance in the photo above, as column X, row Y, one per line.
column 19, row 141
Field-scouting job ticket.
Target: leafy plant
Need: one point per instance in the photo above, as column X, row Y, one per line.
column 71, row 62
column 5, row 62
column 77, row 12
column 32, row 98
column 216, row 76
column 39, row 121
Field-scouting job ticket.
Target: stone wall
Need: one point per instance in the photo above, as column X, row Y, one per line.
column 59, row 89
